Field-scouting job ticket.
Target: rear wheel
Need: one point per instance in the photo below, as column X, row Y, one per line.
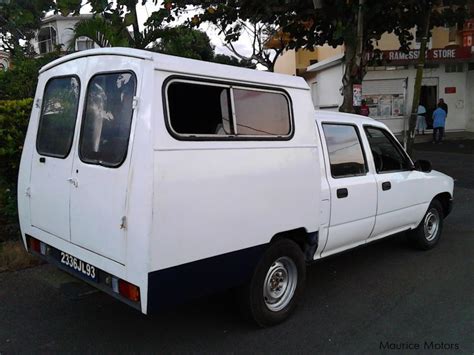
column 277, row 284
column 428, row 232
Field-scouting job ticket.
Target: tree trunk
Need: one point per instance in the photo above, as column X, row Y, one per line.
column 348, row 78
column 410, row 134
column 353, row 56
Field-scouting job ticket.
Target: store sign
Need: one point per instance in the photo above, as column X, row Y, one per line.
column 432, row 55
column 450, row 90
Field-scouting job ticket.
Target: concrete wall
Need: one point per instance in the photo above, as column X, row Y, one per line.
column 325, row 89
column 457, row 117
column 470, row 101
column 286, row 63
column 65, row 32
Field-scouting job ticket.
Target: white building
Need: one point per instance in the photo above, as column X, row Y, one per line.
column 388, row 90
column 57, row 32
column 4, row 60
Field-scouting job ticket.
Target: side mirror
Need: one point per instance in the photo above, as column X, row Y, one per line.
column 423, row 165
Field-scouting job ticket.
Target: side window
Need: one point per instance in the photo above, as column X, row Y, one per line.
column 58, row 117
column 261, row 113
column 107, row 119
column 387, row 154
column 201, row 109
column 196, row 109
column 345, row 150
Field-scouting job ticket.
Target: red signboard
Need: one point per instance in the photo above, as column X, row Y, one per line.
column 450, row 90
column 432, row 55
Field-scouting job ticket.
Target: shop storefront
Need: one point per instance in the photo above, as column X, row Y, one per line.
column 388, row 90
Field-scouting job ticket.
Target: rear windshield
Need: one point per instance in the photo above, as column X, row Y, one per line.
column 58, row 116
column 107, row 119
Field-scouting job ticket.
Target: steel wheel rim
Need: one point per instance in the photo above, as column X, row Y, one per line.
column 431, row 224
column 280, row 284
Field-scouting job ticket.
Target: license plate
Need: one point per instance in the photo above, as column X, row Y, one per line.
column 78, row 266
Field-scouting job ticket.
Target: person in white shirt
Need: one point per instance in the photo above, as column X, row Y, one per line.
column 421, row 120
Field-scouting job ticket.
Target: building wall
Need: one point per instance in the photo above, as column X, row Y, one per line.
column 325, row 51
column 457, row 116
column 291, row 60
column 470, row 101
column 325, row 88
column 304, row 57
column 286, row 63
column 66, row 32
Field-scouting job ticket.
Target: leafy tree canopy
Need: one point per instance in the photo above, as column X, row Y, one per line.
column 18, row 21
column 183, row 41
column 19, row 82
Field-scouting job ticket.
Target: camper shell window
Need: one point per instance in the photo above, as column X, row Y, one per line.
column 58, row 116
column 214, row 111
column 107, row 118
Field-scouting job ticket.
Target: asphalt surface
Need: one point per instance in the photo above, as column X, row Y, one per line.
column 384, row 292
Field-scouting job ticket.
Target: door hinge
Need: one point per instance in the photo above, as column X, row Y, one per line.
column 135, row 102
column 123, row 225
column 28, row 192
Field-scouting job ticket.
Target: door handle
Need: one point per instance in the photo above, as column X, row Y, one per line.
column 386, row 185
column 73, row 181
column 342, row 193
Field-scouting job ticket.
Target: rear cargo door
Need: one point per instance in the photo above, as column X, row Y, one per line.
column 52, row 160
column 101, row 166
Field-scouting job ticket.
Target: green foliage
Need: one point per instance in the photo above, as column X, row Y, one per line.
column 102, row 32
column 191, row 43
column 19, row 19
column 14, row 117
column 110, row 27
column 185, row 42
column 19, row 82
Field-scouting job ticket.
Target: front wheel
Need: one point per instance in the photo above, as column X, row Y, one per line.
column 428, row 232
column 277, row 284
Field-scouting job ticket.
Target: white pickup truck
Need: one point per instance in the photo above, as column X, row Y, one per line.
column 156, row 178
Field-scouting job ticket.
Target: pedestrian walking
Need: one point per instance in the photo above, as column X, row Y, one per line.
column 444, row 105
column 439, row 122
column 364, row 108
column 421, row 120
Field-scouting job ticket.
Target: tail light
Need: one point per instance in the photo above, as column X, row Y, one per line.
column 35, row 245
column 129, row 291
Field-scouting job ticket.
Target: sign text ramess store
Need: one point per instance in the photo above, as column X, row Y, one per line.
column 435, row 55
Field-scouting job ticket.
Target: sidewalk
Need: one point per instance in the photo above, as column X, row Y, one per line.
column 449, row 136
column 453, row 142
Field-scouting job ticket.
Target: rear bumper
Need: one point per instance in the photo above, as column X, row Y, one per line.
column 103, row 278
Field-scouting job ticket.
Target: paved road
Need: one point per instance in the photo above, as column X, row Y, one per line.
column 383, row 292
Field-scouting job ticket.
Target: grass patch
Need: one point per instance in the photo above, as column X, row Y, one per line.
column 13, row 256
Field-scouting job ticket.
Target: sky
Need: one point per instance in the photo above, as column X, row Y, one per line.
column 243, row 46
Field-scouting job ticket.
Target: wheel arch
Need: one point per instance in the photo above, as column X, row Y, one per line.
column 446, row 200
column 307, row 241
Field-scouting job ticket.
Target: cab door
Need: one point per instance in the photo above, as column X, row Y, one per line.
column 400, row 203
column 352, row 187
column 102, row 163
column 52, row 159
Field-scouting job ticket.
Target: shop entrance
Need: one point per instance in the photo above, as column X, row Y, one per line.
column 429, row 99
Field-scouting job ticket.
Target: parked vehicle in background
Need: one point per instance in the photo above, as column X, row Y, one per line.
column 156, row 178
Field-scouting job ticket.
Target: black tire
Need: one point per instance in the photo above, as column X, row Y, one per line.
column 281, row 255
column 424, row 237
